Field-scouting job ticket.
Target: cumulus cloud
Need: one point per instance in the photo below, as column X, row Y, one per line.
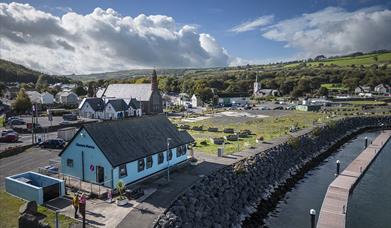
column 254, row 24
column 334, row 31
column 103, row 40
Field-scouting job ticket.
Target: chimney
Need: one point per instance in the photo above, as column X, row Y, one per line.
column 154, row 82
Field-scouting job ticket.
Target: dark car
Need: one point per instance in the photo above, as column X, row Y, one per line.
column 278, row 108
column 52, row 144
column 69, row 117
column 16, row 122
column 10, row 137
column 9, row 131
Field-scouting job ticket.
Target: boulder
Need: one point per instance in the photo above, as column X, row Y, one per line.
column 28, row 208
column 28, row 220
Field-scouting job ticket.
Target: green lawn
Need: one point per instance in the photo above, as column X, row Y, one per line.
column 334, row 86
column 9, row 214
column 269, row 128
column 366, row 102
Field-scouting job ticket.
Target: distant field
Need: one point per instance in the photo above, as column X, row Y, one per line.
column 334, row 86
column 365, row 60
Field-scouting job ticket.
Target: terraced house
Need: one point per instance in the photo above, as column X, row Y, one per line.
column 130, row 150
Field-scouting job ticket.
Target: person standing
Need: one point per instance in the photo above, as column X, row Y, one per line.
column 82, row 203
column 75, row 203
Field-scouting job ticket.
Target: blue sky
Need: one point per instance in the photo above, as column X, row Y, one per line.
column 269, row 41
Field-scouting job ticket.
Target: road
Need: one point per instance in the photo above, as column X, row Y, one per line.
column 31, row 159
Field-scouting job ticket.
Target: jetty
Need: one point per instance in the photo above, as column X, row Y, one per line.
column 335, row 204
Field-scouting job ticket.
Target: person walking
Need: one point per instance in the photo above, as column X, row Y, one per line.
column 75, row 203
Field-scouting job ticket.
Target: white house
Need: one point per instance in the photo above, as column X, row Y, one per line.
column 35, row 97
column 92, row 108
column 69, row 98
column 134, row 108
column 226, row 101
column 382, row 89
column 362, row 89
column 115, row 109
column 47, row 98
column 196, row 101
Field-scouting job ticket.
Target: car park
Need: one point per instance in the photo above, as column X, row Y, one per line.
column 52, row 144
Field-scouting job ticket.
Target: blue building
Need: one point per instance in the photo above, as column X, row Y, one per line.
column 128, row 150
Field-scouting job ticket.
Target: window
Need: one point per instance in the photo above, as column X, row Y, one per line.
column 183, row 149
column 141, row 165
column 179, row 151
column 149, row 162
column 70, row 163
column 169, row 156
column 160, row 158
column 122, row 171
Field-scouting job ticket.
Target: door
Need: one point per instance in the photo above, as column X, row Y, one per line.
column 100, row 174
column 50, row 192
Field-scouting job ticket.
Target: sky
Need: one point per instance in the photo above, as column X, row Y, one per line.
column 79, row 37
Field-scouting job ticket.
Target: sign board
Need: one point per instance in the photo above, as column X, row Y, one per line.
column 92, row 168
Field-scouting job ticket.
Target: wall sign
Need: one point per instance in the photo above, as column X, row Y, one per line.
column 92, row 168
column 86, row 146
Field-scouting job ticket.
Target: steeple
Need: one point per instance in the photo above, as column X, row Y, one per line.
column 154, row 82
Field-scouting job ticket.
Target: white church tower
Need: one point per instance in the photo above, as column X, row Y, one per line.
column 257, row 86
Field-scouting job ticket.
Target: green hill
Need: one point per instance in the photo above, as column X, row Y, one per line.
column 12, row 72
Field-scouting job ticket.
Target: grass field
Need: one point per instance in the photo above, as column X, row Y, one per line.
column 9, row 214
column 269, row 128
column 334, row 86
column 365, row 60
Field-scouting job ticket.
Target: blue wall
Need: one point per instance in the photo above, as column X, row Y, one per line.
column 34, row 191
column 132, row 167
column 93, row 156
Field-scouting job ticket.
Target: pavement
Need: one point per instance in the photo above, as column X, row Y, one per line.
column 29, row 160
column 25, row 139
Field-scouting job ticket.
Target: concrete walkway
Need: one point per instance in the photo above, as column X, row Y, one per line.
column 334, row 206
column 147, row 212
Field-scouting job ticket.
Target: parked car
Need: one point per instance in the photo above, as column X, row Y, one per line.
column 52, row 144
column 10, row 137
column 16, row 122
column 9, row 131
column 69, row 117
column 64, row 123
column 278, row 108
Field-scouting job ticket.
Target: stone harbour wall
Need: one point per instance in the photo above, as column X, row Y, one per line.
column 225, row 198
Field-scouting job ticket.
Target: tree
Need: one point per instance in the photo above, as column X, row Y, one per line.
column 80, row 91
column 91, row 89
column 41, row 83
column 22, row 102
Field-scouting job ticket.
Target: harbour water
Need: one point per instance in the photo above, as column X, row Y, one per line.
column 293, row 209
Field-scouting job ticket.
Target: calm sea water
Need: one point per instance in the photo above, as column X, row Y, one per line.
column 293, row 209
column 370, row 204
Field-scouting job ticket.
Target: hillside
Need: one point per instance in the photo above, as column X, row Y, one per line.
column 12, row 72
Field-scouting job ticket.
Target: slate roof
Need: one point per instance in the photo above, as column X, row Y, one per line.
column 97, row 104
column 118, row 104
column 134, row 103
column 123, row 141
column 126, row 91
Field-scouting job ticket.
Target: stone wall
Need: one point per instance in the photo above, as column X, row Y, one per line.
column 224, row 198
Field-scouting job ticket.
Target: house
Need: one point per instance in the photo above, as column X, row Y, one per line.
column 259, row 92
column 362, row 89
column 35, row 97
column 196, row 101
column 115, row 109
column 233, row 101
column 47, row 98
column 11, row 92
column 129, row 150
column 134, row 108
column 382, row 89
column 92, row 107
column 147, row 94
column 68, row 98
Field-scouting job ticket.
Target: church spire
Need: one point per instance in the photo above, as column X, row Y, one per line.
column 154, row 82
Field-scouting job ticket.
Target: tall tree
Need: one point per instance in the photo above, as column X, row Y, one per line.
column 41, row 83
column 22, row 102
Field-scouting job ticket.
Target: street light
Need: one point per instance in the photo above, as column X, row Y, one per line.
column 168, row 159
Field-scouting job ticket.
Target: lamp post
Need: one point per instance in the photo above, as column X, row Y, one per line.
column 168, row 159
